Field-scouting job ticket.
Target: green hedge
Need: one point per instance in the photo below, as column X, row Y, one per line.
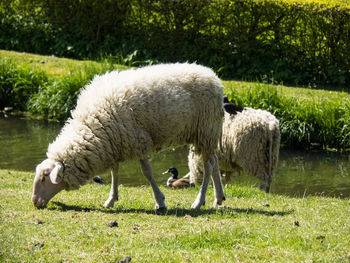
column 295, row 42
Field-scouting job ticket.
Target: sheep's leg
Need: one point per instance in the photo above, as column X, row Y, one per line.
column 200, row 200
column 187, row 176
column 158, row 195
column 228, row 177
column 265, row 183
column 216, row 177
column 113, row 194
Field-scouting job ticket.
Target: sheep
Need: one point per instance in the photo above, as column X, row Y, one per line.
column 129, row 115
column 250, row 142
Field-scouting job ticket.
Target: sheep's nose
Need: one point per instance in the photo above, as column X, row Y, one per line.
column 38, row 202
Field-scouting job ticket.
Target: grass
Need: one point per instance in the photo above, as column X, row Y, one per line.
column 308, row 118
column 54, row 66
column 74, row 226
column 45, row 86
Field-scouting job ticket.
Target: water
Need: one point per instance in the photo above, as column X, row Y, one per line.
column 23, row 144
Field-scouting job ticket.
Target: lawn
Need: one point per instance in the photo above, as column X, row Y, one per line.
column 252, row 227
column 52, row 65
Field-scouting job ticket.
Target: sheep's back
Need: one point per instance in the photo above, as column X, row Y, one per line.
column 153, row 108
column 246, row 142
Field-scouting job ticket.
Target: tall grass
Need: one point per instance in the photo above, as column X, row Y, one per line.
column 18, row 84
column 56, row 100
column 31, row 89
column 305, row 122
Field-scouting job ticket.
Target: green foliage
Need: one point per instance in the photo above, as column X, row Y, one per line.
column 322, row 122
column 56, row 100
column 301, row 42
column 29, row 88
column 18, row 84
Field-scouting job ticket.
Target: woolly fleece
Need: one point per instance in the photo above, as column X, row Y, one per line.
column 250, row 142
column 131, row 114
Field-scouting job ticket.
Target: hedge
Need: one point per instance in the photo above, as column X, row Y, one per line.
column 295, row 42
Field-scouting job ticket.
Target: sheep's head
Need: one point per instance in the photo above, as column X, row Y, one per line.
column 47, row 182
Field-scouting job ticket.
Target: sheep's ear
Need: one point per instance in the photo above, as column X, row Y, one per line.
column 56, row 174
column 45, row 168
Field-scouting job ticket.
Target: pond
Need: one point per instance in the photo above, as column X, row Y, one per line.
column 23, row 145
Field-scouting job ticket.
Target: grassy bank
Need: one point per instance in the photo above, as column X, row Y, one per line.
column 45, row 86
column 48, row 86
column 254, row 227
column 308, row 118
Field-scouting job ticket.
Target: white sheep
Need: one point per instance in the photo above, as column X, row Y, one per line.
column 250, row 142
column 130, row 115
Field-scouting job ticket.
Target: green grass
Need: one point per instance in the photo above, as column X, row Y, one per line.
column 54, row 66
column 74, row 226
column 45, row 86
column 307, row 116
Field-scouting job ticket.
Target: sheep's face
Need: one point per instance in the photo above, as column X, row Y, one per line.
column 47, row 182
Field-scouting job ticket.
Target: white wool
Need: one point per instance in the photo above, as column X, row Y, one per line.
column 134, row 113
column 250, row 142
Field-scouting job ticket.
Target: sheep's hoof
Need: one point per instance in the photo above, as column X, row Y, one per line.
column 218, row 202
column 109, row 203
column 196, row 205
column 160, row 208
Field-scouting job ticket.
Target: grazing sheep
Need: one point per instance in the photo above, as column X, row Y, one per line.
column 250, row 142
column 130, row 115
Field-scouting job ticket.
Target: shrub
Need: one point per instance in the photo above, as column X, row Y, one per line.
column 298, row 42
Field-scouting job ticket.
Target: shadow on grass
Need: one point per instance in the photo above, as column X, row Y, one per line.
column 178, row 212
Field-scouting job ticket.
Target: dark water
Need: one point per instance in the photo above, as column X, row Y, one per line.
column 23, row 145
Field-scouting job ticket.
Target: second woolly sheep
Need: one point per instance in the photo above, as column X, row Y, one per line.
column 250, row 143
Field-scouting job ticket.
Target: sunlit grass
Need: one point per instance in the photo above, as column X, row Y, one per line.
column 252, row 227
column 54, row 66
column 306, row 94
column 307, row 116
column 331, row 3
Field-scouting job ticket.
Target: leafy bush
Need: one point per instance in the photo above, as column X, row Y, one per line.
column 298, row 42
